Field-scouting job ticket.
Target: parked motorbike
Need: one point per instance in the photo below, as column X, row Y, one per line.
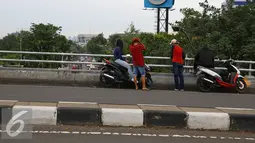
column 211, row 78
column 113, row 74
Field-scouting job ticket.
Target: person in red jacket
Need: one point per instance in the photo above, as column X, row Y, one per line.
column 178, row 57
column 136, row 50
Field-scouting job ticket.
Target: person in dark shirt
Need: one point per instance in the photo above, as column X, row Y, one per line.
column 205, row 58
column 136, row 49
column 178, row 58
column 121, row 60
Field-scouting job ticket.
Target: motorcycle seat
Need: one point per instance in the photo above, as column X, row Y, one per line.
column 218, row 71
column 119, row 66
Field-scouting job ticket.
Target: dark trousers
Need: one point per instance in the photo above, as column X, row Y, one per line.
column 178, row 76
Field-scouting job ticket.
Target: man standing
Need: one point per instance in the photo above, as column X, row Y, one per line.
column 178, row 57
column 205, row 58
column 136, row 49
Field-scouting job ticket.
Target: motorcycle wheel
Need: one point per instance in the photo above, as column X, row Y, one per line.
column 104, row 80
column 149, row 82
column 202, row 85
column 240, row 85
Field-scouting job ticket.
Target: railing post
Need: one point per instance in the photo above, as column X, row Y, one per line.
column 62, row 66
column 250, row 67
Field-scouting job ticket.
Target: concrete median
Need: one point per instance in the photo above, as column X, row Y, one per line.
column 88, row 78
column 140, row 115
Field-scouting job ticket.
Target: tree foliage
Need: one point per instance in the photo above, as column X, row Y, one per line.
column 40, row 38
column 97, row 45
column 228, row 31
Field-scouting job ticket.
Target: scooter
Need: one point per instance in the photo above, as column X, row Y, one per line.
column 113, row 74
column 211, row 78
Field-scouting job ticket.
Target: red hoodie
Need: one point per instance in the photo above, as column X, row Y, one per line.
column 137, row 52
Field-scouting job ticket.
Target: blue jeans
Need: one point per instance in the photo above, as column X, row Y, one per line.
column 178, row 76
column 138, row 69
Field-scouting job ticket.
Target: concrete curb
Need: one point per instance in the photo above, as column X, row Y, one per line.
column 162, row 81
column 141, row 115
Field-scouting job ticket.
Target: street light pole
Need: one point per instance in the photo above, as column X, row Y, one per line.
column 177, row 29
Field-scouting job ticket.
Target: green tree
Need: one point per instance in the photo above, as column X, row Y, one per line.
column 131, row 29
column 97, row 45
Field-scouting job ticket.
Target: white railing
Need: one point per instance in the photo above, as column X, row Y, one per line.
column 249, row 70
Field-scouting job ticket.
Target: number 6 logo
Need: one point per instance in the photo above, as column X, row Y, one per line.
column 13, row 121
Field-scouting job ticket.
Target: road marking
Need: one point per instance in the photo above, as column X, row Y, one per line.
column 223, row 138
column 163, row 135
column 251, row 139
column 138, row 134
column 239, row 109
column 126, row 134
column 213, row 137
column 116, row 134
column 107, row 133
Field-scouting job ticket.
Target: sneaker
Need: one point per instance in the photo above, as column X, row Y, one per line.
column 133, row 80
column 175, row 89
column 182, row 90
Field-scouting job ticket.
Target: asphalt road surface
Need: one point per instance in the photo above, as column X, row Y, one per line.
column 124, row 96
column 68, row 134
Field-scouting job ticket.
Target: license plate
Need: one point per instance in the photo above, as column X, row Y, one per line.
column 247, row 82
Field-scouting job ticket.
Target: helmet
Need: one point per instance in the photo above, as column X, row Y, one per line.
column 174, row 41
column 119, row 43
column 135, row 40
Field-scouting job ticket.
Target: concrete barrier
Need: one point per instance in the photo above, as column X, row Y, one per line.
column 230, row 119
column 87, row 78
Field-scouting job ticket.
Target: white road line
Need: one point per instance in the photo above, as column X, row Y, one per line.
column 65, row 132
column 54, row 132
column 163, row 135
column 93, row 133
column 116, row 134
column 202, row 137
column 181, row 136
column 223, row 138
column 213, row 137
column 138, row 134
column 126, row 134
column 107, row 133
column 250, row 139
column 149, row 135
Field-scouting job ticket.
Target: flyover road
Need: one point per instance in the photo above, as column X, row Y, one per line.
column 126, row 135
column 124, row 96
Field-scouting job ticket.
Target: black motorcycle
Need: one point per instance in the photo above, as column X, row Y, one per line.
column 113, row 74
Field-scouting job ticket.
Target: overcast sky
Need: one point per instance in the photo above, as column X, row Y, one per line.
column 84, row 16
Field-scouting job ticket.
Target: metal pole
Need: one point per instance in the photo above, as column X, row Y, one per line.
column 62, row 66
column 250, row 67
column 20, row 47
column 158, row 21
column 166, row 20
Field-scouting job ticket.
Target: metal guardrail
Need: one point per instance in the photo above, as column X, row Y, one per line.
column 250, row 70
